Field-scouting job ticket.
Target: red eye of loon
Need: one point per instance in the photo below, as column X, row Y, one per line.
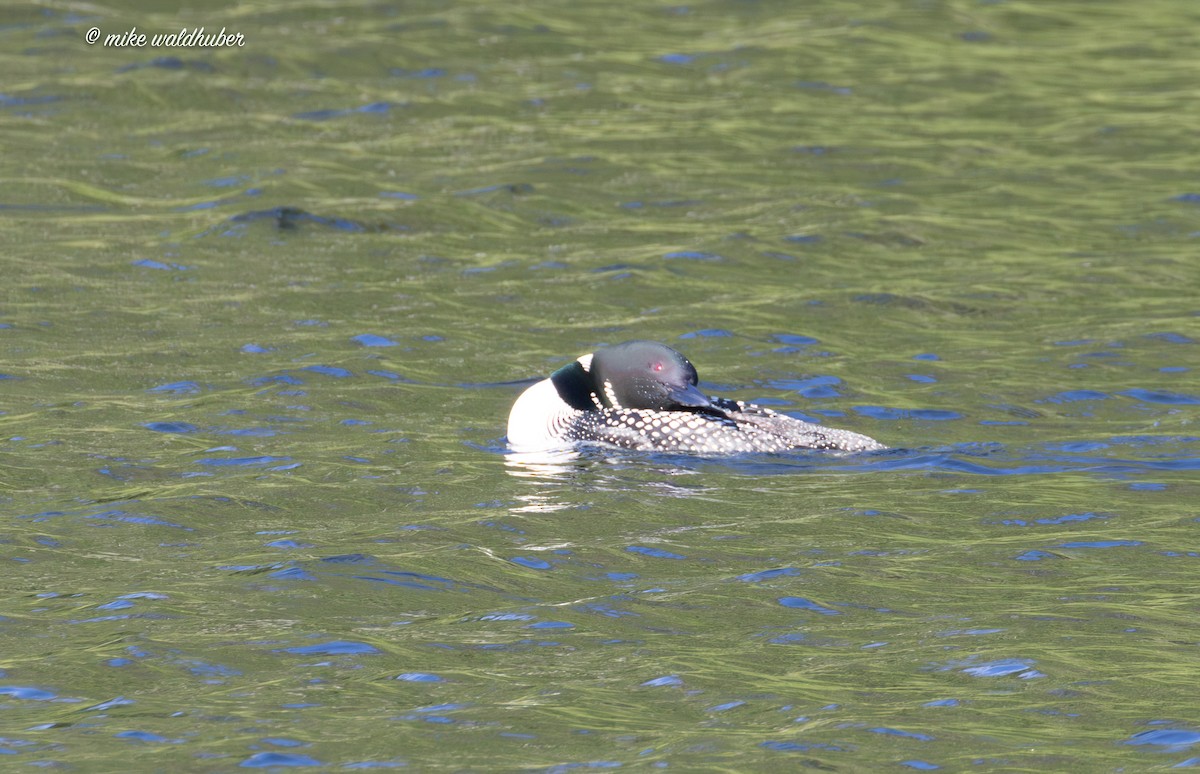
column 657, row 366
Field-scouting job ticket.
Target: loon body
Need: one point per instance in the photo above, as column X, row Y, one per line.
column 643, row 395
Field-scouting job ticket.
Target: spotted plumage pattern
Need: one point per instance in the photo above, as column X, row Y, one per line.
column 743, row 428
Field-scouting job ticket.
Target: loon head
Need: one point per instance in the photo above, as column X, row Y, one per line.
column 633, row 375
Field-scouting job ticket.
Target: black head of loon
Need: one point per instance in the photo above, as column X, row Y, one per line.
column 632, row 375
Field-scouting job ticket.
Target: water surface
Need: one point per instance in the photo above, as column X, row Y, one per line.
column 266, row 307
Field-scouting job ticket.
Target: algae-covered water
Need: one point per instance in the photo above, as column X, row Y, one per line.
column 265, row 308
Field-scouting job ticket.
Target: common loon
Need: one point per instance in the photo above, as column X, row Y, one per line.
column 643, row 395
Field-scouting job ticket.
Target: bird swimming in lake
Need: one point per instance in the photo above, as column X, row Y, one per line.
column 642, row 395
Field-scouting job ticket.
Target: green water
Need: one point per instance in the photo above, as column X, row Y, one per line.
column 980, row 212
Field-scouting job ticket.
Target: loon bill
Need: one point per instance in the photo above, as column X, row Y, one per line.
column 643, row 395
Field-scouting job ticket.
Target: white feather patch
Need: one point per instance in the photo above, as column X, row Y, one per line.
column 611, row 394
column 536, row 420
